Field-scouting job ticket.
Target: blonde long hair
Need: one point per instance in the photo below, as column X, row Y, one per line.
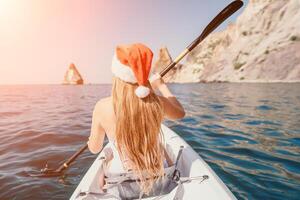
column 138, row 133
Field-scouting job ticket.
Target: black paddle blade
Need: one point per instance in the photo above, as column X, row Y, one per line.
column 44, row 174
column 219, row 19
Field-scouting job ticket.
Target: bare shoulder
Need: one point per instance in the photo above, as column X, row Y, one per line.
column 103, row 108
column 103, row 104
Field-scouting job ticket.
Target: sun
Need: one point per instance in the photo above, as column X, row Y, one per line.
column 9, row 8
column 5, row 7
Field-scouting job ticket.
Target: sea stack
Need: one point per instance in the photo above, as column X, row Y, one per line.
column 72, row 76
column 163, row 60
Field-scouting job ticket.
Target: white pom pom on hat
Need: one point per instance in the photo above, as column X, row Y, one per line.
column 142, row 91
column 132, row 63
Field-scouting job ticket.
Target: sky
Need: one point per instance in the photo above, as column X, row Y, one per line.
column 40, row 38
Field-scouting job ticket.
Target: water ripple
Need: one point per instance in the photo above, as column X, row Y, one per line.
column 248, row 133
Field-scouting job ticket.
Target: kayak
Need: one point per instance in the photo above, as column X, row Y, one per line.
column 199, row 181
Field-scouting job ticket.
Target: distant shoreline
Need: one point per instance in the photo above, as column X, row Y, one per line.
column 244, row 81
column 201, row 82
column 36, row 84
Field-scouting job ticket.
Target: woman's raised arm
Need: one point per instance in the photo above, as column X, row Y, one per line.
column 172, row 107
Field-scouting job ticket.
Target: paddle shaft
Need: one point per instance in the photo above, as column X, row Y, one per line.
column 72, row 158
column 221, row 17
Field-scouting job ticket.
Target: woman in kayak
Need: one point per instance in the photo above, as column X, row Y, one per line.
column 131, row 117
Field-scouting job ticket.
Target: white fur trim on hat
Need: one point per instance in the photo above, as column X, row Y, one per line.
column 122, row 71
column 142, row 91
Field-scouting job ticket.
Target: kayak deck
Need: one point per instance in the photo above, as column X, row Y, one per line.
column 190, row 165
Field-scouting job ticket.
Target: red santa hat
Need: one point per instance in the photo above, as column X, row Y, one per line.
column 132, row 63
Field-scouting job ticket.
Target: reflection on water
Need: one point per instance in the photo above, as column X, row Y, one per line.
column 248, row 133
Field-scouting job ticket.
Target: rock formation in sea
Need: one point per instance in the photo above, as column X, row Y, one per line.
column 72, row 76
column 263, row 45
column 164, row 59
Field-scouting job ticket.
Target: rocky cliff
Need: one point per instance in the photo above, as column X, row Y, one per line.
column 263, row 45
column 164, row 59
column 72, row 76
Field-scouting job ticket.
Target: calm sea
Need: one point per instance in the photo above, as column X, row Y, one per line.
column 248, row 133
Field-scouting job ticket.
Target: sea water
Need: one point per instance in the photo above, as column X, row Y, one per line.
column 248, row 133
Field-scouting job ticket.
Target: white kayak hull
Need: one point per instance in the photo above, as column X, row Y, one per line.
column 190, row 165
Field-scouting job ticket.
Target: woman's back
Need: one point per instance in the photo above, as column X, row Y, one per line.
column 104, row 111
